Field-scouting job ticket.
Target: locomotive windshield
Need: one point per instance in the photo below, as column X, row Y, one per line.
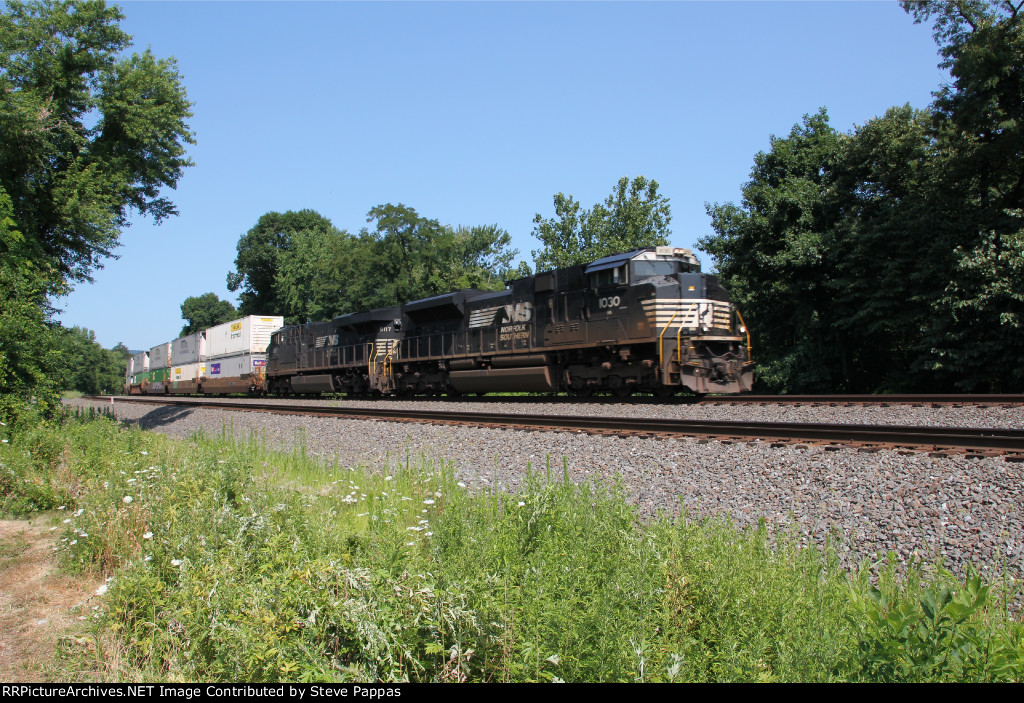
column 645, row 269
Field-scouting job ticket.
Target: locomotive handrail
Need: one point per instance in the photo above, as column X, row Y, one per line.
column 661, row 341
column 746, row 330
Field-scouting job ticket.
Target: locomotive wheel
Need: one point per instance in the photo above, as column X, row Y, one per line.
column 664, row 391
column 623, row 391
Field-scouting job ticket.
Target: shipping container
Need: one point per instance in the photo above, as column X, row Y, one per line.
column 140, row 362
column 188, row 350
column 241, row 373
column 160, row 356
column 247, row 335
column 187, row 372
column 185, row 378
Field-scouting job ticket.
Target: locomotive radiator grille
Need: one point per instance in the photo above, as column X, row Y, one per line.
column 689, row 314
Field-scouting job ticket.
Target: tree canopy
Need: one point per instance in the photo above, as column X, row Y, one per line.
column 299, row 265
column 892, row 257
column 201, row 312
column 634, row 216
column 89, row 134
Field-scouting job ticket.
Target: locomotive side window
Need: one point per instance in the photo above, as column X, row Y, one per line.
column 608, row 277
column 646, row 269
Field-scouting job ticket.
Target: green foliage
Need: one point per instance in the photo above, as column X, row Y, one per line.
column 86, row 366
column 416, row 257
column 938, row 635
column 632, row 217
column 300, row 266
column 771, row 254
column 201, row 312
column 31, row 364
column 889, row 259
column 232, row 562
column 260, row 251
column 89, row 133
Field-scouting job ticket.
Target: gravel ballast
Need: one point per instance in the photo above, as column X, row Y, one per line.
column 962, row 511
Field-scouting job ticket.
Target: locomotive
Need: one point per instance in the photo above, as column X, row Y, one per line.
column 647, row 320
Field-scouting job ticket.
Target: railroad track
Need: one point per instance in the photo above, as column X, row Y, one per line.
column 976, row 441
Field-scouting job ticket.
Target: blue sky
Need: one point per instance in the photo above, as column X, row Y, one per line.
column 478, row 113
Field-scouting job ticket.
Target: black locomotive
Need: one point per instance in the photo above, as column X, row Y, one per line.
column 643, row 321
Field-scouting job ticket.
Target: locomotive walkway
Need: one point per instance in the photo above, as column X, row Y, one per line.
column 976, row 441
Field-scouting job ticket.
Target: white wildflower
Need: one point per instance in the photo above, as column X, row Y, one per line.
column 148, row 535
column 101, row 590
column 428, row 501
column 127, row 499
column 520, row 504
column 175, row 562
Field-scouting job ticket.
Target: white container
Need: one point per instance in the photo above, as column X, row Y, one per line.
column 248, row 335
column 160, row 356
column 188, row 350
column 234, row 366
column 187, row 372
column 140, row 362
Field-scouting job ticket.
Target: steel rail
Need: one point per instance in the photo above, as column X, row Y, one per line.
column 972, row 438
column 863, row 399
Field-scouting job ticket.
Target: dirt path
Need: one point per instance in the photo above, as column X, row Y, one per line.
column 38, row 604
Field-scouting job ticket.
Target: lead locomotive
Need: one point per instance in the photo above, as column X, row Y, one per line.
column 643, row 321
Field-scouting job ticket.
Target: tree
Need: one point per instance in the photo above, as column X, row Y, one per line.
column 260, row 251
column 31, row 365
column 204, row 311
column 322, row 275
column 299, row 265
column 86, row 366
column 632, row 217
column 417, row 257
column 89, row 135
column 976, row 337
column 886, row 264
column 770, row 253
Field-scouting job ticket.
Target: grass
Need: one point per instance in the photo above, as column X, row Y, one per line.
column 228, row 561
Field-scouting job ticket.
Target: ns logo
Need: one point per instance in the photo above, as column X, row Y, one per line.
column 518, row 312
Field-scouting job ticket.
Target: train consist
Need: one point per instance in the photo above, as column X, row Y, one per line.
column 642, row 321
column 228, row 358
